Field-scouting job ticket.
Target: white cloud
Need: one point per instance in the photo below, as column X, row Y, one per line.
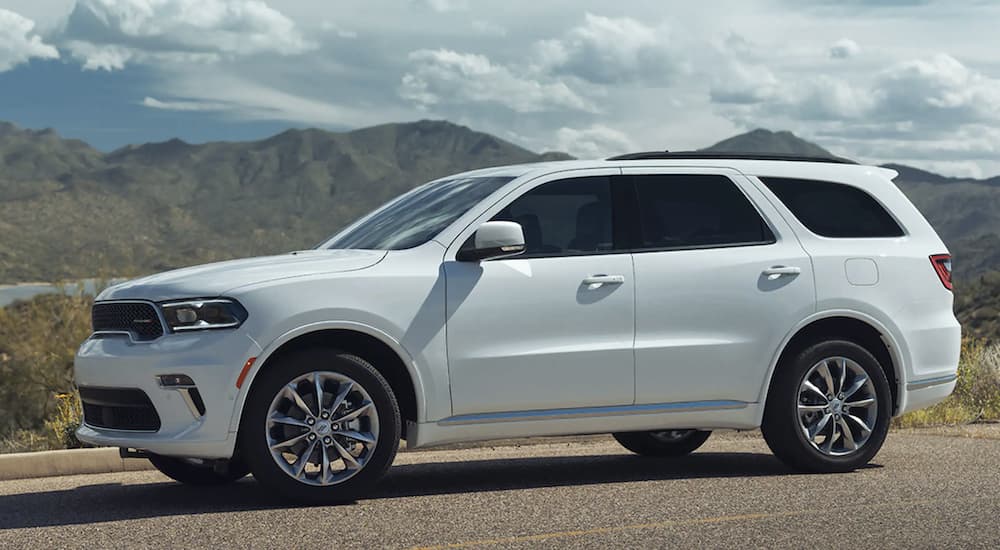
column 608, row 50
column 487, row 28
column 108, row 34
column 597, row 141
column 154, row 103
column 18, row 42
column 844, row 48
column 443, row 6
column 939, row 90
column 330, row 26
column 443, row 77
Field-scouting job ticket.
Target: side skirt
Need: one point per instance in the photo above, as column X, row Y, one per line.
column 705, row 415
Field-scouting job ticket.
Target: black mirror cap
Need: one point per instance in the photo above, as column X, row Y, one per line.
column 480, row 254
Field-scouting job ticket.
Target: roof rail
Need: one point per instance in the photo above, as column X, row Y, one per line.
column 667, row 155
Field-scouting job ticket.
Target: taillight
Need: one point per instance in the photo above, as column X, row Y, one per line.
column 942, row 265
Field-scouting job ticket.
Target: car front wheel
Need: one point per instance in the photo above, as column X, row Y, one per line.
column 829, row 408
column 320, row 426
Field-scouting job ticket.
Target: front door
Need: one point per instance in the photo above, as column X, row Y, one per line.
column 551, row 329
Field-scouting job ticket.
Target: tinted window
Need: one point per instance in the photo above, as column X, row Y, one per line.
column 416, row 217
column 570, row 216
column 834, row 209
column 677, row 211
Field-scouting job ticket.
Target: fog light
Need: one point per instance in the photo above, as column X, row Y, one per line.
column 175, row 380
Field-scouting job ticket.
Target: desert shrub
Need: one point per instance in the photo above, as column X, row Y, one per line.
column 977, row 392
column 38, row 340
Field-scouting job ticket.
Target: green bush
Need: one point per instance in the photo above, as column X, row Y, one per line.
column 977, row 392
column 38, row 340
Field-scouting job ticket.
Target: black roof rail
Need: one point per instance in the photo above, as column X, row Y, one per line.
column 682, row 155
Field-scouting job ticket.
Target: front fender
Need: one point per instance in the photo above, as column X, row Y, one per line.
column 276, row 344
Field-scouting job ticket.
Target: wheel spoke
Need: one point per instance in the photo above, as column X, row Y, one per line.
column 356, row 412
column 811, row 408
column 350, row 462
column 824, row 371
column 367, row 439
column 300, row 463
column 842, row 363
column 812, row 387
column 862, row 403
column 848, row 436
column 865, row 429
column 298, row 399
column 324, row 477
column 832, row 439
column 289, row 420
column 319, row 393
column 344, row 389
column 860, row 381
column 816, row 428
column 289, row 442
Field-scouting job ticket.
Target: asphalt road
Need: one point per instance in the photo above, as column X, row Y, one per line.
column 923, row 490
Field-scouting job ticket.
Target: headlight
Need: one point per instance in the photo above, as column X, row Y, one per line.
column 203, row 314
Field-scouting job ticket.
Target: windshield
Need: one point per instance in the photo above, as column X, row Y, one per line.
column 416, row 217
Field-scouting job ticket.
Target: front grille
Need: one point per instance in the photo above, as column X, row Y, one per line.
column 119, row 409
column 137, row 318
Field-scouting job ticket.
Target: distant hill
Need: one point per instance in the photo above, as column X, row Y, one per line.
column 766, row 141
column 69, row 211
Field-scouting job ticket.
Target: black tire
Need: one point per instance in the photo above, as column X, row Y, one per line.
column 194, row 472
column 781, row 427
column 253, row 432
column 663, row 443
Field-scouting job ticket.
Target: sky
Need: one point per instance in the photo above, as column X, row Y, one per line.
column 911, row 81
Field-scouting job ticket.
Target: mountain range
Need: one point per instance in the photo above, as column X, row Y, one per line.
column 69, row 211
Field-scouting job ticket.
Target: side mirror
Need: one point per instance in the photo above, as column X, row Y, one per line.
column 493, row 240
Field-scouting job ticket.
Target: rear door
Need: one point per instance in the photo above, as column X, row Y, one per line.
column 720, row 281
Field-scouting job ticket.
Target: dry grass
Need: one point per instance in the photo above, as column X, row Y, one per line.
column 977, row 393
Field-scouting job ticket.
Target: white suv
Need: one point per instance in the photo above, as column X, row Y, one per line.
column 656, row 296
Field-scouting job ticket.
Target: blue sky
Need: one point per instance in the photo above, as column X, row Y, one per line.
column 914, row 81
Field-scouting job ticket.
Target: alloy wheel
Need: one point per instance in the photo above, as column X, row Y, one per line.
column 837, row 406
column 322, row 428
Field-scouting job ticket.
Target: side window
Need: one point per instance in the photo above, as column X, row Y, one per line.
column 564, row 217
column 698, row 210
column 834, row 209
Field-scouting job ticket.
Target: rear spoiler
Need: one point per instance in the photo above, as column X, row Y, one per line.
column 886, row 172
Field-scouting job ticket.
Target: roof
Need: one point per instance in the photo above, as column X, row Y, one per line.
column 698, row 155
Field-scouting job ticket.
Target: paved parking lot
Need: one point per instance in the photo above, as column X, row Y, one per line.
column 923, row 490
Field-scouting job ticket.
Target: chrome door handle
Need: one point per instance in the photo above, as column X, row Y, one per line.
column 779, row 270
column 596, row 281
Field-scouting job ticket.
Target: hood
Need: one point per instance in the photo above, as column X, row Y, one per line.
column 212, row 280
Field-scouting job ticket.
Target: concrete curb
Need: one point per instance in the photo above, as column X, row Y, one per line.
column 67, row 462
column 106, row 460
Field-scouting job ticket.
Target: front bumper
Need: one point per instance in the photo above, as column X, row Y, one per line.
column 212, row 359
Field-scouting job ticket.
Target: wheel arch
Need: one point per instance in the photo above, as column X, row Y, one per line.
column 372, row 344
column 848, row 325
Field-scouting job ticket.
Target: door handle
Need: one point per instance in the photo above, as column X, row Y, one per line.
column 596, row 281
column 779, row 270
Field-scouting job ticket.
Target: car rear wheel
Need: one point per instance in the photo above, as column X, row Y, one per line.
column 193, row 471
column 829, row 408
column 663, row 442
column 320, row 426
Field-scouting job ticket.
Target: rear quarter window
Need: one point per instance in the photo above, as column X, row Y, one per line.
column 833, row 209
